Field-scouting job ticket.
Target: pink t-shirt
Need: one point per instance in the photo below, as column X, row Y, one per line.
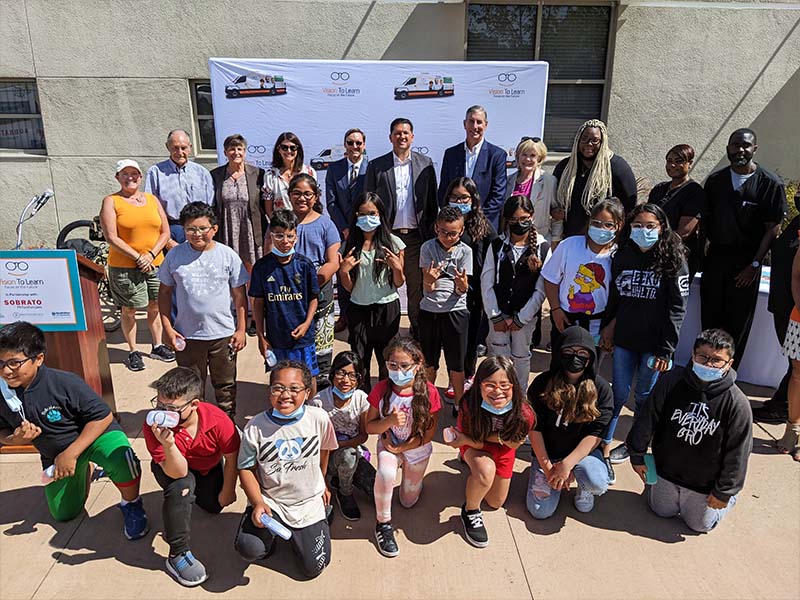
column 403, row 404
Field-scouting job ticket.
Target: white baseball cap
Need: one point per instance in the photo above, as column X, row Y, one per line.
column 127, row 162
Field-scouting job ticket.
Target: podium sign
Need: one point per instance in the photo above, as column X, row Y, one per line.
column 41, row 287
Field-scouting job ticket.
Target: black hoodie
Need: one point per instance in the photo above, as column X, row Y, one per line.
column 561, row 438
column 701, row 432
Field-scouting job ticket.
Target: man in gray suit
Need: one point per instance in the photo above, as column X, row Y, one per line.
column 344, row 181
column 406, row 183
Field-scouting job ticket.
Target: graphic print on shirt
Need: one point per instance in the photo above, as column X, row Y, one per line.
column 289, row 454
column 403, row 405
column 202, row 279
column 52, row 414
column 590, row 277
column 633, row 283
column 694, row 423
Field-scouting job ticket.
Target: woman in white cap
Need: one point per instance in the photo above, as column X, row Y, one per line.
column 136, row 228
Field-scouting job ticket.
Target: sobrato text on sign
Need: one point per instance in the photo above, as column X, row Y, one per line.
column 43, row 288
column 319, row 100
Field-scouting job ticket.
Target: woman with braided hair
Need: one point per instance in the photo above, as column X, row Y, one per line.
column 591, row 173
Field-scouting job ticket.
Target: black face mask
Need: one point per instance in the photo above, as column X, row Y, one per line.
column 574, row 363
column 521, row 228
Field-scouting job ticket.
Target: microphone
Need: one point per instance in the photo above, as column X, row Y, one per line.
column 41, row 201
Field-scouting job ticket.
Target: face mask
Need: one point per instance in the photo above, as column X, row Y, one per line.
column 12, row 400
column 464, row 208
column 644, row 238
column 401, row 377
column 520, row 228
column 277, row 252
column 292, row 415
column 574, row 363
column 601, row 236
column 343, row 395
column 496, row 411
column 706, row 373
column 368, row 222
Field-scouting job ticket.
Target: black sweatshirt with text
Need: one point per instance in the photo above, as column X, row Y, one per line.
column 701, row 432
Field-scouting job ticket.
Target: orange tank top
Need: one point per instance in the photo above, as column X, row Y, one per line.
column 137, row 226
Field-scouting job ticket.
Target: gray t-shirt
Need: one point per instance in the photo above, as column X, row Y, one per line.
column 444, row 298
column 203, row 282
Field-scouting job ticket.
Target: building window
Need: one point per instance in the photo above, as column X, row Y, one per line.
column 20, row 117
column 572, row 38
column 203, row 116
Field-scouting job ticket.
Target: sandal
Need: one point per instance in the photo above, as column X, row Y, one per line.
column 790, row 442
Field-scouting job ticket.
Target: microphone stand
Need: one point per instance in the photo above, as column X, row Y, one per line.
column 22, row 219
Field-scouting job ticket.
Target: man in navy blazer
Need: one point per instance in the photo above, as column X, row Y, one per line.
column 483, row 162
column 344, row 181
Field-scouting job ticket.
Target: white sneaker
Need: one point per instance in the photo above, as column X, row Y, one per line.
column 584, row 501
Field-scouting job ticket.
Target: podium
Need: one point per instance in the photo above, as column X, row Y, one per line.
column 84, row 353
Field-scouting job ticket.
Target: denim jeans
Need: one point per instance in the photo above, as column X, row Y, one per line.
column 667, row 499
column 516, row 345
column 590, row 473
column 628, row 363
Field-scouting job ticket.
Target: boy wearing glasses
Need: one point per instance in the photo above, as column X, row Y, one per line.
column 700, row 426
column 69, row 425
column 201, row 276
column 282, row 463
column 188, row 465
column 284, row 289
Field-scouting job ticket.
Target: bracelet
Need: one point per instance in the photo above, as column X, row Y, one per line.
column 150, row 252
column 556, row 308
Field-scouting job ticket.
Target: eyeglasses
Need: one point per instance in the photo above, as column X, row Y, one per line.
column 14, row 363
column 593, row 142
column 284, row 237
column 460, row 199
column 288, row 148
column 342, row 374
column 711, row 361
column 493, row 387
column 296, row 195
column 398, row 367
column 526, row 138
column 648, row 226
column 195, row 230
column 356, row 143
column 161, row 406
column 276, row 389
column 450, row 235
column 610, row 225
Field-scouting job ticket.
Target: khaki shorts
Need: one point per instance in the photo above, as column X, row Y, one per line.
column 132, row 288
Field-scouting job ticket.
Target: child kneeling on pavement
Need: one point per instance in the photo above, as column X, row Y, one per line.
column 69, row 425
column 188, row 464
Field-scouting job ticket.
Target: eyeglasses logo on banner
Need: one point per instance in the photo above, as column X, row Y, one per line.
column 340, row 76
column 422, row 149
column 257, row 149
column 508, row 88
column 506, row 78
column 340, row 82
column 16, row 268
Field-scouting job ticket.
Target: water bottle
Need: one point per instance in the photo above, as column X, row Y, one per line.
column 180, row 344
column 47, row 474
column 651, row 363
column 275, row 526
column 272, row 360
column 449, row 434
column 651, row 477
column 163, row 418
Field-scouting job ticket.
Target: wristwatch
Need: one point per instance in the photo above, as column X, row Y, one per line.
column 755, row 264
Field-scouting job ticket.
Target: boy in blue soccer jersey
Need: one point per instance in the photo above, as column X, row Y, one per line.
column 284, row 289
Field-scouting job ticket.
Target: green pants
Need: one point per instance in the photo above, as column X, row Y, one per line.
column 112, row 451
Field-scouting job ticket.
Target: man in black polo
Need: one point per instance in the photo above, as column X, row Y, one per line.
column 746, row 204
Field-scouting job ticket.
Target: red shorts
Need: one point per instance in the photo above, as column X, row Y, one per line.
column 503, row 458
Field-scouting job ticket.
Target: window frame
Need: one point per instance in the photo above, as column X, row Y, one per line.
column 199, row 150
column 11, row 152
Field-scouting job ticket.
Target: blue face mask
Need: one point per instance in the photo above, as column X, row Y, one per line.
column 601, row 236
column 295, row 415
column 496, row 411
column 645, row 238
column 706, row 373
column 368, row 222
column 464, row 208
column 12, row 400
column 401, row 377
column 343, row 395
column 277, row 252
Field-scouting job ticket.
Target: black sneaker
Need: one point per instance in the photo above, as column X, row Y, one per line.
column 348, row 506
column 771, row 413
column 612, row 477
column 251, row 329
column 135, row 362
column 474, row 528
column 161, row 352
column 619, row 454
column 384, row 535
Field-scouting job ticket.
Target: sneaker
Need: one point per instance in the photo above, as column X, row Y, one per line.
column 251, row 329
column 348, row 506
column 468, row 383
column 474, row 528
column 619, row 454
column 161, row 352
column 771, row 413
column 136, row 525
column 584, row 501
column 135, row 362
column 186, row 569
column 384, row 535
column 612, row 477
column 450, row 393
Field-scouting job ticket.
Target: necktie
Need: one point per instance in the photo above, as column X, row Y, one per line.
column 353, row 174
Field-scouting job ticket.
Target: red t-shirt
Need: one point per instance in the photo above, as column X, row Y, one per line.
column 216, row 435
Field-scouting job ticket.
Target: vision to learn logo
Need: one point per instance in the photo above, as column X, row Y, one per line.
column 508, row 88
column 17, row 268
column 339, row 85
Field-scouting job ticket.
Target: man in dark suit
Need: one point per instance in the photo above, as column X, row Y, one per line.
column 344, row 181
column 406, row 183
column 479, row 160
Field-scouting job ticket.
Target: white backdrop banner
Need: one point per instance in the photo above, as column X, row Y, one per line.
column 319, row 100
